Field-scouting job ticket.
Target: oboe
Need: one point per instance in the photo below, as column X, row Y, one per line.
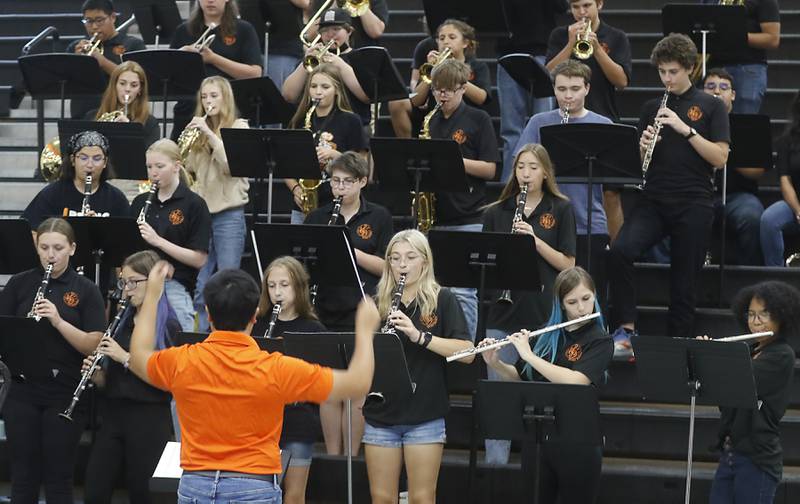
column 149, row 201
column 276, row 310
column 519, row 213
column 41, row 292
column 397, row 297
column 648, row 154
column 111, row 332
column 87, row 192
column 337, row 209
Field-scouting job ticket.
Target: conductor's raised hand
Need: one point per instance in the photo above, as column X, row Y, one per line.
column 367, row 316
column 155, row 280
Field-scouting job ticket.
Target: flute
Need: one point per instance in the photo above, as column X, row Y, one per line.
column 745, row 337
column 506, row 341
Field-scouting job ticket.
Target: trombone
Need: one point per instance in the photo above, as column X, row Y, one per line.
column 353, row 7
column 426, row 69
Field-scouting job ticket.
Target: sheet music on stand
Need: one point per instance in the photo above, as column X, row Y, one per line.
column 169, row 465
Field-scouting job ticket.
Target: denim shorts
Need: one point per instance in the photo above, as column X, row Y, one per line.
column 396, row 436
column 301, row 453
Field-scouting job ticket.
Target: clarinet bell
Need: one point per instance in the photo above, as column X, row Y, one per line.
column 505, row 298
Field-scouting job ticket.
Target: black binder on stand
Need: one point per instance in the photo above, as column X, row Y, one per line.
column 22, row 255
column 531, row 75
column 105, row 241
column 157, row 20
column 21, row 342
column 378, row 76
column 125, row 140
column 260, row 101
column 58, row 75
column 488, row 22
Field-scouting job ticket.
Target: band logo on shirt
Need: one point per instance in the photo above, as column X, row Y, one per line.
column 119, row 50
column 547, row 221
column 364, row 231
column 694, row 113
column 229, row 40
column 71, row 299
column 429, row 320
column 459, row 136
column 176, row 217
column 573, row 353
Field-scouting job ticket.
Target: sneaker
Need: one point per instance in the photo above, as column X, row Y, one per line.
column 623, row 350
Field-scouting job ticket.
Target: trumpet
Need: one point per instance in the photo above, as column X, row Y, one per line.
column 397, row 297
column 205, row 39
column 142, row 218
column 426, row 69
column 648, row 154
column 41, row 292
column 583, row 49
column 312, row 60
column 337, row 209
column 276, row 310
column 506, row 341
column 519, row 213
column 95, row 43
column 188, row 138
column 87, row 193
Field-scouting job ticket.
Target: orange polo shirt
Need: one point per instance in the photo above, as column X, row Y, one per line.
column 230, row 396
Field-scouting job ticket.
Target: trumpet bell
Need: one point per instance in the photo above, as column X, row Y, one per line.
column 583, row 49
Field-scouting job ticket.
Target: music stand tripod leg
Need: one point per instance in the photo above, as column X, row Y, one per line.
column 695, row 386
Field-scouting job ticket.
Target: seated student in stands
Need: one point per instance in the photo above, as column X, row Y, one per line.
column 285, row 48
column 336, row 129
column 472, row 129
column 86, row 154
column 576, row 355
column 460, row 39
column 127, row 96
column 233, row 54
column 370, row 228
column 784, row 216
column 335, row 28
column 99, row 18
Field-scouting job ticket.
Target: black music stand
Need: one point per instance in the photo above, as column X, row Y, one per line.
column 488, row 22
column 105, row 240
column 157, row 20
column 589, row 153
column 260, row 101
column 267, row 344
column 537, row 412
column 271, row 152
column 751, row 147
column 411, row 164
column 378, row 76
column 54, row 76
column 21, row 346
column 179, row 74
column 391, row 380
column 681, row 370
column 22, row 255
column 126, row 144
column 723, row 27
column 531, row 75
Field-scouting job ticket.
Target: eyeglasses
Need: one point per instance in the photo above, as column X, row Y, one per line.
column 129, row 284
column 94, row 21
column 83, row 158
column 344, row 182
column 763, row 316
column 447, row 92
column 723, row 86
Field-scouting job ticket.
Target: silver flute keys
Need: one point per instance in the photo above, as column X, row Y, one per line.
column 142, row 218
column 87, row 193
column 41, row 292
column 648, row 154
column 397, row 297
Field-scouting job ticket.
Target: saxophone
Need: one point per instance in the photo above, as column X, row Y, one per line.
column 425, row 202
column 397, row 296
column 142, row 218
column 519, row 212
column 41, row 292
column 310, row 187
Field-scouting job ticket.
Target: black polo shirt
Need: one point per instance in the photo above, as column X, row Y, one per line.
column 602, row 99
column 553, row 221
column 184, row 220
column 788, row 160
column 62, row 198
column 755, row 433
column 360, row 38
column 242, row 46
column 286, row 21
column 472, row 129
column 122, row 383
column 533, row 22
column 78, row 302
column 758, row 11
column 428, row 370
column 361, row 109
column 588, row 350
column 677, row 172
column 370, row 230
column 345, row 133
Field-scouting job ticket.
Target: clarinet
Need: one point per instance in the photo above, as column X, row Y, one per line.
column 111, row 332
column 565, row 115
column 397, row 296
column 337, row 208
column 147, row 203
column 41, row 292
column 519, row 212
column 648, row 154
column 276, row 310
column 87, row 192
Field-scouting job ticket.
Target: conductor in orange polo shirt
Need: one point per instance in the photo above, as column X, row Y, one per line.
column 230, row 394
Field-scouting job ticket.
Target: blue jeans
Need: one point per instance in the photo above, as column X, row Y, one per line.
column 739, row 480
column 515, row 109
column 750, row 82
column 194, row 489
column 497, row 450
column 467, row 298
column 225, row 250
column 743, row 214
column 776, row 220
column 181, row 301
column 297, row 217
column 278, row 68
